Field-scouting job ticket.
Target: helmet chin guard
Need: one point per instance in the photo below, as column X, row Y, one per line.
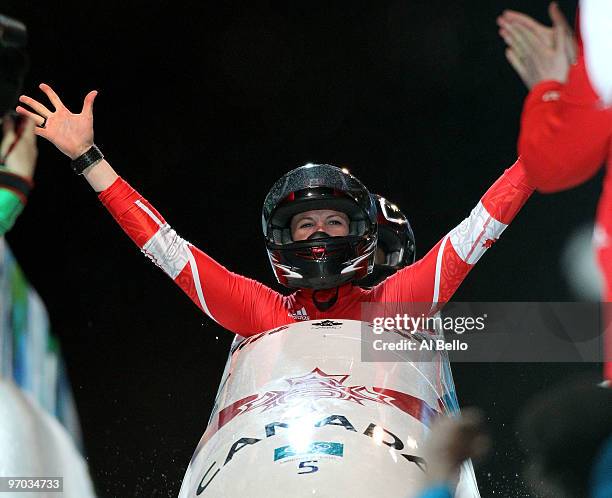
column 321, row 261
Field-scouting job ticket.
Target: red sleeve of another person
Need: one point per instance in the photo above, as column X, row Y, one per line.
column 565, row 133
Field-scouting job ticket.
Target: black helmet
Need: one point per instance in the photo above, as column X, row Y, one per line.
column 395, row 238
column 321, row 262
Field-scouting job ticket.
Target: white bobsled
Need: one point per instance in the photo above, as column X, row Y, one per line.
column 299, row 414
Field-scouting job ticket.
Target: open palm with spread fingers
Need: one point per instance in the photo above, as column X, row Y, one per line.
column 70, row 133
column 535, row 51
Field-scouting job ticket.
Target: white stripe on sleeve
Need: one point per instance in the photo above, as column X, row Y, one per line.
column 474, row 235
column 198, row 285
column 168, row 251
column 142, row 206
column 436, row 293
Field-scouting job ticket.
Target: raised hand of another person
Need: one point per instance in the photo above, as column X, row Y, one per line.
column 71, row 133
column 451, row 441
column 535, row 51
column 544, row 33
column 18, row 151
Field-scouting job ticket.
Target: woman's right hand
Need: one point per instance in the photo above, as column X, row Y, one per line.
column 70, row 133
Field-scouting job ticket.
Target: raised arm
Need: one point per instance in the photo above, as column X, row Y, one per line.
column 241, row 305
column 436, row 277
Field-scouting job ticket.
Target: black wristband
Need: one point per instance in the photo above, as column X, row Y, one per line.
column 84, row 161
column 16, row 183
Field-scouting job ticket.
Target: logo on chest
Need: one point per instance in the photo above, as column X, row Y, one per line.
column 300, row 314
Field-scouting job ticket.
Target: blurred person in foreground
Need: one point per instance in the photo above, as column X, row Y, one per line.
column 566, row 125
column 18, row 146
column 567, row 437
column 18, row 154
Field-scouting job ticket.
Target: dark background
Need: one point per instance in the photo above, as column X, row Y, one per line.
column 201, row 108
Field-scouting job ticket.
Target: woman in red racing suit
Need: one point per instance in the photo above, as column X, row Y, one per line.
column 245, row 306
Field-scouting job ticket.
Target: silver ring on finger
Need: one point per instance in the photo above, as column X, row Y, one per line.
column 43, row 124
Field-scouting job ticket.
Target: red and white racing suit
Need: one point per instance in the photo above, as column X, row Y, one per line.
column 566, row 136
column 247, row 307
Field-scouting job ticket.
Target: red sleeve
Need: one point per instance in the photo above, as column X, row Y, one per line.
column 565, row 135
column 436, row 277
column 239, row 304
